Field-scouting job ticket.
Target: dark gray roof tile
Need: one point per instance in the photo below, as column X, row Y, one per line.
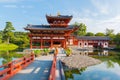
column 92, row 37
column 47, row 27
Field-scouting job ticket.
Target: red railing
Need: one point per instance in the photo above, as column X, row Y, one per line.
column 52, row 75
column 11, row 68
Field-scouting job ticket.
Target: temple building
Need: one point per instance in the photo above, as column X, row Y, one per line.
column 58, row 34
column 92, row 41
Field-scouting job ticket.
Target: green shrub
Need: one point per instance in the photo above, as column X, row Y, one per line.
column 68, row 51
column 5, row 46
column 46, row 51
column 37, row 52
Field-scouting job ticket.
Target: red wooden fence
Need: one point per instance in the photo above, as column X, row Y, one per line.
column 13, row 67
column 53, row 69
column 52, row 75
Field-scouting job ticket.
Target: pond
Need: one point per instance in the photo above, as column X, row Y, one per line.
column 109, row 69
column 6, row 57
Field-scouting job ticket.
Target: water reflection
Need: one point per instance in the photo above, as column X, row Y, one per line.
column 110, row 64
column 69, row 73
column 5, row 57
column 96, row 52
column 108, row 70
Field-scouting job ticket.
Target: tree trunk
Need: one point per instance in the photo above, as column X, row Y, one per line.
column 8, row 40
column 7, row 52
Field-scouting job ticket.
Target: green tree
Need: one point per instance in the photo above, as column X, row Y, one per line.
column 82, row 29
column 21, row 39
column 99, row 34
column 110, row 33
column 0, row 36
column 89, row 34
column 7, row 32
column 117, row 39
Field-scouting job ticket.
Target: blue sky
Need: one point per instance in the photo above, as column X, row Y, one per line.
column 96, row 14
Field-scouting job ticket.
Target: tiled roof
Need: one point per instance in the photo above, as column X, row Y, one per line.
column 47, row 27
column 60, row 16
column 92, row 37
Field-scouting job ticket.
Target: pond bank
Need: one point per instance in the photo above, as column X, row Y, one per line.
column 79, row 61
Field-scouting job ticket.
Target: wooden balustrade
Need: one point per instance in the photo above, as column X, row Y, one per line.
column 59, row 25
column 11, row 68
column 48, row 35
column 52, row 75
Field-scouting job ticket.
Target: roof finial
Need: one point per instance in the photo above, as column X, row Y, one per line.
column 58, row 13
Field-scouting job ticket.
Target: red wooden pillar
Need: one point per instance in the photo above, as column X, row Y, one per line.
column 30, row 42
column 64, row 43
column 93, row 43
column 24, row 59
column 51, row 41
column 68, row 39
column 73, row 40
column 41, row 42
column 10, row 66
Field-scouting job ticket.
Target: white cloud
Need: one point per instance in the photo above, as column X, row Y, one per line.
column 14, row 1
column 101, row 5
column 112, row 23
column 10, row 1
column 89, row 13
column 96, row 25
column 95, row 14
column 18, row 6
column 10, row 6
column 101, row 25
column 26, row 6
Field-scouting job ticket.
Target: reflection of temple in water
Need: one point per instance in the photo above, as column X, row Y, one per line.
column 104, row 53
column 91, row 52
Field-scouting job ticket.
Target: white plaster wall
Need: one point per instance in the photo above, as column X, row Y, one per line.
column 86, row 44
column 105, row 44
column 46, row 37
column 67, row 43
column 90, row 45
column 83, row 44
column 71, row 41
column 100, row 42
column 80, row 42
column 58, row 38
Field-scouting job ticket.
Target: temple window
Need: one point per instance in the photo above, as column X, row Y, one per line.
column 58, row 22
column 106, row 43
column 80, row 44
column 54, row 22
column 62, row 22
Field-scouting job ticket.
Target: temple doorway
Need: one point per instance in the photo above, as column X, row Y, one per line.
column 57, row 44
